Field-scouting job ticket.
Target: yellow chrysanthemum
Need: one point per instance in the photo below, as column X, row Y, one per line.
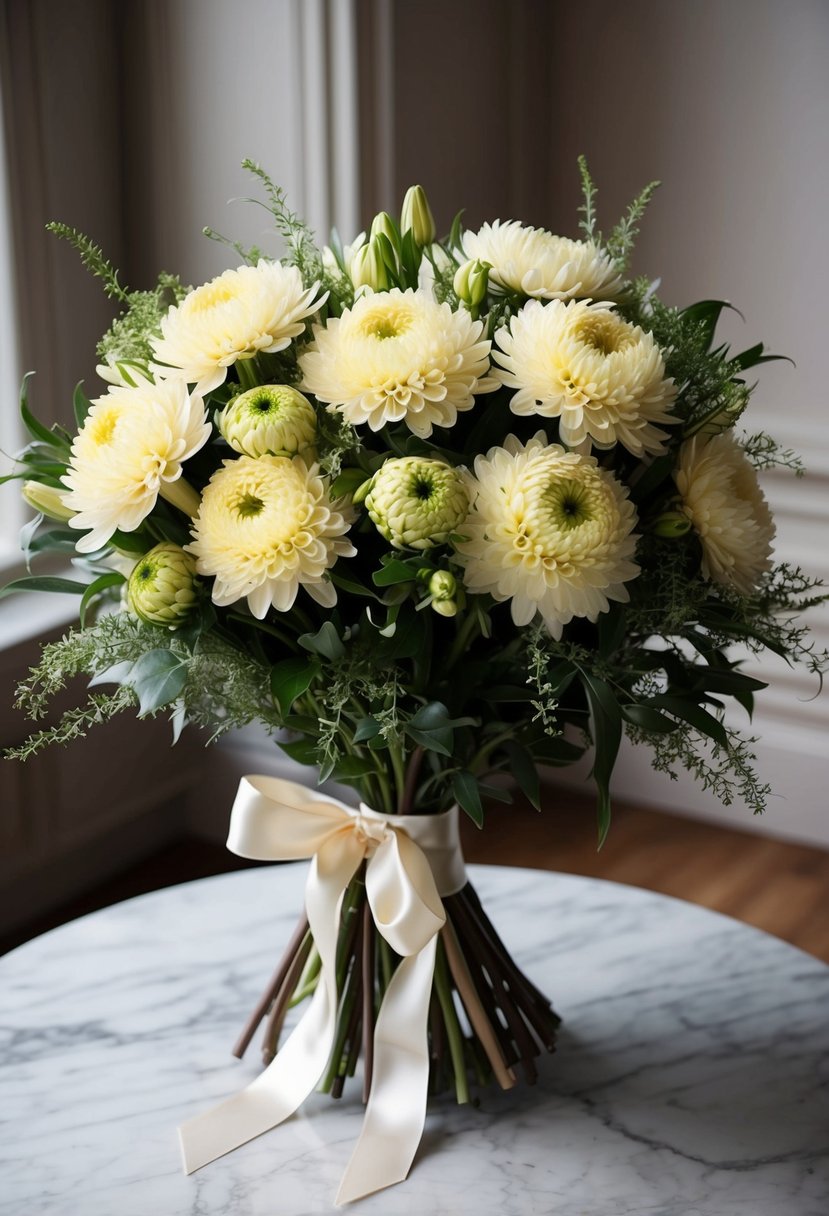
column 536, row 263
column 129, row 450
column 603, row 378
column 398, row 356
column 235, row 316
column 550, row 531
column 722, row 498
column 267, row 527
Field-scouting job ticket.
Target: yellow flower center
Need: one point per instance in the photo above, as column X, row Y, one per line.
column 211, row 295
column 389, row 319
column 603, row 332
column 101, row 427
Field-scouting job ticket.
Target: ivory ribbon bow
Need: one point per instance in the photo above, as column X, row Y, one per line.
column 412, row 861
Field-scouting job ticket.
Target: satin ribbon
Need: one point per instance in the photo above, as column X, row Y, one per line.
column 411, row 861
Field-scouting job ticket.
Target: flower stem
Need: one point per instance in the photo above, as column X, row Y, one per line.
column 246, row 371
column 454, row 1034
column 464, row 636
column 182, row 495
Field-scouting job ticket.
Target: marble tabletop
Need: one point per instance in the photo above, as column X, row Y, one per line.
column 691, row 1077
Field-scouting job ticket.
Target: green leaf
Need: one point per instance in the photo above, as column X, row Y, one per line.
column 44, row 582
column 648, row 718
column 522, row 767
column 350, row 768
column 290, row 679
column 157, row 678
column 347, row 482
column 395, row 571
column 52, row 540
column 726, row 680
column 611, row 630
column 131, row 542
column 468, row 796
column 35, row 428
column 454, row 238
column 431, row 727
column 80, row 404
column 113, row 579
column 304, row 751
column 606, row 732
column 694, row 715
column 367, row 728
column 326, row 642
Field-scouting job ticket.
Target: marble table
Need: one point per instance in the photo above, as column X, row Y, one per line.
column 691, row 1078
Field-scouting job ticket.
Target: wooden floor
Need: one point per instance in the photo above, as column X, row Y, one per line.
column 782, row 888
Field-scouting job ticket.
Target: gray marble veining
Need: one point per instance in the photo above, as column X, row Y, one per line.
column 691, row 1077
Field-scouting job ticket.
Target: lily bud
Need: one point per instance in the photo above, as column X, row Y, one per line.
column 672, row 525
column 416, row 216
column 443, row 585
column 471, row 282
column 384, row 225
column 47, row 500
column 368, row 268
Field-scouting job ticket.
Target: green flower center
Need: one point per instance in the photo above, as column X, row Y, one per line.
column 249, row 505
column 568, row 504
column 422, row 489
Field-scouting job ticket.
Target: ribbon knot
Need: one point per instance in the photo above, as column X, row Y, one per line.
column 411, row 861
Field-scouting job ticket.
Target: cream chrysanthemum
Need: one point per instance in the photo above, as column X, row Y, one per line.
column 235, row 316
column 129, row 450
column 536, row 263
column 603, row 378
column 398, row 356
column 722, row 498
column 550, row 531
column 267, row 527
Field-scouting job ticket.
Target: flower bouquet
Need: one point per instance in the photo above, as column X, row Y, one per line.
column 435, row 513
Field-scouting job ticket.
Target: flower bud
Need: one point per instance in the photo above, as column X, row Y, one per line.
column 471, row 281
column 384, row 225
column 445, row 607
column 162, row 589
column 417, row 503
column 270, row 420
column 416, row 216
column 47, row 500
column 443, row 585
column 671, row 525
column 368, row 267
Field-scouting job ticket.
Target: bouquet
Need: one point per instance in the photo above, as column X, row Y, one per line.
column 433, row 513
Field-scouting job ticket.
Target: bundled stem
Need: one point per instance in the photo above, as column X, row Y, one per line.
column 486, row 1017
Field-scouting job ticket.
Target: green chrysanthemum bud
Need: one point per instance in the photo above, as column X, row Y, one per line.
column 162, row 589
column 271, row 420
column 47, row 500
column 471, row 281
column 416, row 215
column 671, row 525
column 368, row 268
column 417, row 503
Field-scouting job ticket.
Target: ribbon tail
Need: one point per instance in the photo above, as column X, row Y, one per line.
column 288, row 1080
column 396, row 1108
column 270, row 1099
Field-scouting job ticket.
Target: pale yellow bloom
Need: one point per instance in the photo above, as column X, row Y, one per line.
column 603, row 378
column 267, row 527
column 532, row 262
column 550, row 531
column 236, row 316
column 131, row 448
column 721, row 496
column 398, row 356
column 162, row 586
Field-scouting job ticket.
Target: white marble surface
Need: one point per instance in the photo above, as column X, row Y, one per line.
column 691, row 1077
